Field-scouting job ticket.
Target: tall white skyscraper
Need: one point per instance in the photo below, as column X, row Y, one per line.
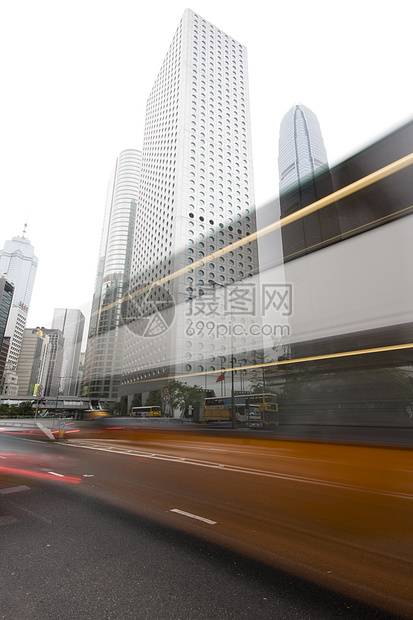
column 196, row 198
column 106, row 334
column 19, row 265
column 303, row 179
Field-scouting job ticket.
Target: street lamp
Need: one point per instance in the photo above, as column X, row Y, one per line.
column 213, row 283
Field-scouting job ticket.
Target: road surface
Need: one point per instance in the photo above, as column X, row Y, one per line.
column 337, row 516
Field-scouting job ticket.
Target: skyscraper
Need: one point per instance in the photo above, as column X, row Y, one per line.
column 53, row 376
column 19, row 265
column 106, row 336
column 196, row 198
column 304, row 178
column 6, row 296
column 33, row 361
column 71, row 323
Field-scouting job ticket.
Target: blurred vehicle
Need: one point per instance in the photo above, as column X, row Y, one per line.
column 146, row 412
column 253, row 410
column 95, row 414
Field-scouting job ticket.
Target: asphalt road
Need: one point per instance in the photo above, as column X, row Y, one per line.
column 179, row 529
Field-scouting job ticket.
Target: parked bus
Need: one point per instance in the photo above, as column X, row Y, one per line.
column 146, row 412
column 253, row 410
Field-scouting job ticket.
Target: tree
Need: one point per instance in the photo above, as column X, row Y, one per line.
column 181, row 395
column 5, row 411
column 137, row 400
column 25, row 409
column 176, row 394
column 192, row 395
column 118, row 408
column 258, row 387
column 154, row 399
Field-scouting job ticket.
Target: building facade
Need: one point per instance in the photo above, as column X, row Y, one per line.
column 304, row 178
column 106, row 333
column 54, row 370
column 71, row 324
column 33, row 361
column 19, row 265
column 196, row 199
column 6, row 297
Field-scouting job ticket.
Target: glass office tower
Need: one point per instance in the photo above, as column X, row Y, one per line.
column 106, row 337
column 303, row 179
column 71, row 323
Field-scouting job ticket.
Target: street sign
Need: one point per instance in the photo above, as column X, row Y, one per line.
column 166, row 396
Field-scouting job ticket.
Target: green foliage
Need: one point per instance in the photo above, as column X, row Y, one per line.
column 154, row 399
column 22, row 410
column 181, row 396
column 258, row 388
column 137, row 400
column 26, row 408
column 118, row 408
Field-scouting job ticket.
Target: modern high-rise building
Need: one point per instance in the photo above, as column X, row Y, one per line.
column 106, row 334
column 6, row 296
column 301, row 147
column 304, row 178
column 54, row 371
column 33, row 361
column 71, row 323
column 196, row 199
column 19, row 265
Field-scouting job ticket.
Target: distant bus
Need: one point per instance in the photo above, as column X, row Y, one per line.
column 253, row 410
column 94, row 414
column 146, row 412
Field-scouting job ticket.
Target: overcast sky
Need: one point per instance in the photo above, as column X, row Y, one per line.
column 76, row 76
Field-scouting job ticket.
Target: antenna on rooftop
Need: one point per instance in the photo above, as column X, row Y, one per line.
column 24, row 230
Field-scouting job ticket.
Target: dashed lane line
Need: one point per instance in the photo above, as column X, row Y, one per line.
column 192, row 516
column 7, row 490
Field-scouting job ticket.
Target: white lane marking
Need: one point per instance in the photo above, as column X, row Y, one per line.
column 22, row 487
column 7, row 519
column 46, row 431
column 238, row 469
column 189, row 514
column 53, row 473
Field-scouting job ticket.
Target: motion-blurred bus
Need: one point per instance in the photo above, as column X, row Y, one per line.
column 145, row 412
column 94, row 414
column 253, row 410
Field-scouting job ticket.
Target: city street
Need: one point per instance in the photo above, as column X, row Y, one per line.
column 179, row 527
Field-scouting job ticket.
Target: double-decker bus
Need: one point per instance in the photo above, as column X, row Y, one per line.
column 253, row 410
column 146, row 412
